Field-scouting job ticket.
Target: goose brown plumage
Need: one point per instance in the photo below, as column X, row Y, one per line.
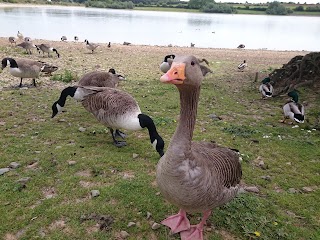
column 194, row 176
column 100, row 79
column 114, row 108
column 26, row 68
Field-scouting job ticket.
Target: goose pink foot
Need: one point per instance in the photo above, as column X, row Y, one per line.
column 196, row 231
column 178, row 222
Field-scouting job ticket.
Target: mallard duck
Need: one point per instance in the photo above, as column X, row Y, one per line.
column 266, row 88
column 25, row 68
column 114, row 108
column 194, row 176
column 242, row 66
column 12, row 40
column 91, row 46
column 293, row 110
column 47, row 48
column 165, row 65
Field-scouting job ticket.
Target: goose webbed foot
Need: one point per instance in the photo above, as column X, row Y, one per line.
column 118, row 133
column 195, row 232
column 120, row 144
column 115, row 141
column 178, row 222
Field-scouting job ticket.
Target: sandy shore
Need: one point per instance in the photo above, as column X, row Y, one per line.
column 141, row 61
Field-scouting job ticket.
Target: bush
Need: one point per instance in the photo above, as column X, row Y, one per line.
column 299, row 9
column 217, row 8
column 275, row 8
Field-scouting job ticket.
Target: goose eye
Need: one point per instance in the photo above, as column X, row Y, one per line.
column 192, row 63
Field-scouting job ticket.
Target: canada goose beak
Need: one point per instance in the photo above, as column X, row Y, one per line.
column 175, row 75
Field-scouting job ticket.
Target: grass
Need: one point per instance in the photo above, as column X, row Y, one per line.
column 65, row 164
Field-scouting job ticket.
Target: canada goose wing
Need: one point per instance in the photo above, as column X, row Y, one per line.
column 98, row 79
column 110, row 104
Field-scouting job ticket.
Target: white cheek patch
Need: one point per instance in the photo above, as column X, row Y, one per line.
column 154, row 144
column 8, row 63
column 79, row 94
column 59, row 108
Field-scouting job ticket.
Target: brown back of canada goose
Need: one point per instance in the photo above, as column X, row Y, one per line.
column 99, row 79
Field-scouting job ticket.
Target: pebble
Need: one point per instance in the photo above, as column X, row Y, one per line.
column 307, row 189
column 155, row 226
column 124, row 234
column 82, row 129
column 292, row 190
column 4, row 170
column 130, row 224
column 134, row 155
column 253, row 189
column 24, row 180
column 95, row 193
column 267, row 178
column 14, row 165
column 148, row 215
column 71, row 163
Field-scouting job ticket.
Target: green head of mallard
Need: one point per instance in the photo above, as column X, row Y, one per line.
column 266, row 80
column 294, row 96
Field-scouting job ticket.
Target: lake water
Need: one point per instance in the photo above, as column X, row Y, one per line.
column 163, row 28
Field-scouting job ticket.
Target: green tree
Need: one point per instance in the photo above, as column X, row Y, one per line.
column 198, row 4
column 275, row 8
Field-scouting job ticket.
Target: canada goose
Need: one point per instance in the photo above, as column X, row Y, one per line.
column 28, row 46
column 266, row 88
column 76, row 38
column 100, row 79
column 109, row 44
column 126, row 43
column 293, row 110
column 19, row 35
column 241, row 46
column 242, row 66
column 47, row 48
column 24, row 68
column 27, row 39
column 165, row 66
column 63, row 38
column 114, row 108
column 195, row 176
column 91, row 46
column 12, row 40
column 192, row 44
column 121, row 78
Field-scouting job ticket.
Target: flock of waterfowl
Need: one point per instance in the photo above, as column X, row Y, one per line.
column 194, row 176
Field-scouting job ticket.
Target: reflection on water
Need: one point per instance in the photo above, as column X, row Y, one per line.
column 163, row 28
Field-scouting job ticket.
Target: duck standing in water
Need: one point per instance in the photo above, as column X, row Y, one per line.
column 293, row 109
column 194, row 176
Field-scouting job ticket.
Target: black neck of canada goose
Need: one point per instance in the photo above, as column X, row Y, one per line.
column 55, row 50
column 155, row 139
column 12, row 62
column 168, row 56
column 58, row 105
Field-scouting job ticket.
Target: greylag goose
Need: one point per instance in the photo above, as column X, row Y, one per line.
column 114, row 108
column 194, row 176
column 293, row 109
column 46, row 48
column 266, row 88
column 25, row 68
column 165, row 66
column 12, row 40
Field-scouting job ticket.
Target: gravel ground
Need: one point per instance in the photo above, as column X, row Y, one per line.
column 136, row 61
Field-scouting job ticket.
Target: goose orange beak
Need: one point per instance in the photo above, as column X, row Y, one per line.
column 175, row 75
